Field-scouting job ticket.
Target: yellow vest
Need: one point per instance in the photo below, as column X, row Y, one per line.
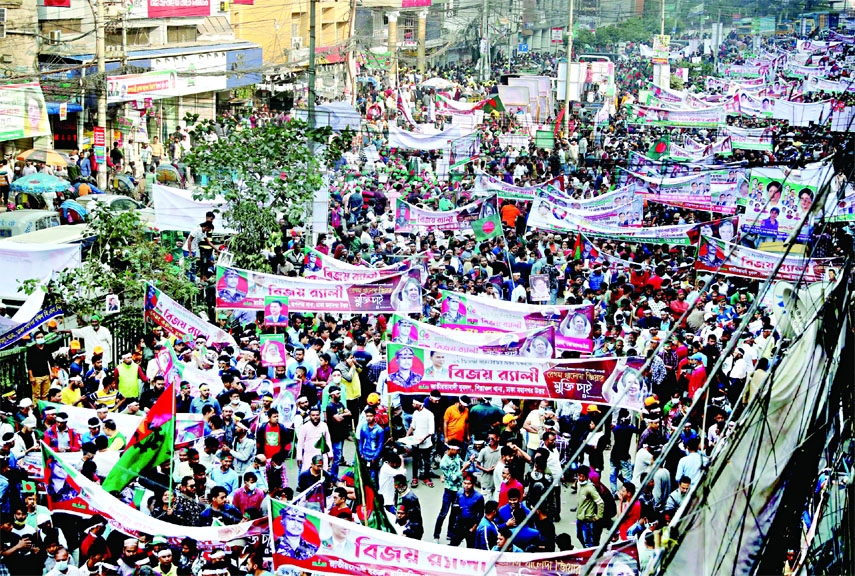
column 129, row 382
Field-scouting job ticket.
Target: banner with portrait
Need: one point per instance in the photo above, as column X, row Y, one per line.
column 537, row 343
column 691, row 191
column 779, row 198
column 179, row 321
column 23, row 113
column 573, row 324
column 273, row 351
column 618, row 197
column 412, row 219
column 306, row 540
column 320, row 266
column 613, row 381
column 674, row 235
column 544, row 215
column 734, row 260
column 246, row 290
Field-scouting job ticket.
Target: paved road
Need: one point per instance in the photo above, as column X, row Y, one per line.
column 431, row 499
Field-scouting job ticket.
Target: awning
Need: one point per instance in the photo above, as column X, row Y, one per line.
column 53, row 107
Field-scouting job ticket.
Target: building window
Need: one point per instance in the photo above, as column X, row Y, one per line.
column 181, row 34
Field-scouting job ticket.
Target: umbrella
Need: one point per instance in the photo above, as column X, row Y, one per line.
column 440, row 83
column 168, row 173
column 49, row 157
column 40, row 182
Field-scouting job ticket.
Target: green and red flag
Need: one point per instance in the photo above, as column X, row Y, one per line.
column 660, row 148
column 368, row 504
column 153, row 443
column 492, row 103
column 487, row 228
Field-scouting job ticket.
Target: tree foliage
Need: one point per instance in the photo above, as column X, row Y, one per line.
column 123, row 256
column 263, row 173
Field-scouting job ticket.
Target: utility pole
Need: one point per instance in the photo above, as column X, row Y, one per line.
column 485, row 43
column 100, row 48
column 310, row 92
column 567, row 72
column 662, row 26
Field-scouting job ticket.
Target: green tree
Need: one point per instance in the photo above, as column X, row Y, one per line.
column 261, row 173
column 123, row 256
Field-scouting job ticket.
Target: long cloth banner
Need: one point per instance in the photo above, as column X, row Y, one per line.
column 65, row 484
column 709, row 118
column 691, row 191
column 412, row 219
column 305, row 540
column 176, row 209
column 613, row 381
column 814, row 83
column 485, row 184
column 16, row 333
column 537, row 343
column 479, row 314
column 179, row 321
column 676, row 235
column 618, row 197
column 715, row 256
column 413, row 141
column 320, row 266
column 545, row 215
column 750, row 138
column 247, row 290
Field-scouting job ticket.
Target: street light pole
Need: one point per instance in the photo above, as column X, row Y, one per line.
column 310, row 89
column 567, row 72
column 662, row 26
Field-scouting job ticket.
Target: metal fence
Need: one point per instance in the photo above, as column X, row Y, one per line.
column 126, row 327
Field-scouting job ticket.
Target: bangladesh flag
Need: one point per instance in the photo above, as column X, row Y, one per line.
column 487, row 228
column 62, row 485
column 369, row 505
column 153, row 443
column 493, row 103
column 660, row 148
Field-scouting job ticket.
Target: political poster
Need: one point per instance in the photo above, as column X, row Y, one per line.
column 246, row 290
column 538, row 342
column 613, row 381
column 778, row 199
column 691, row 191
column 731, row 259
column 412, row 219
column 306, row 540
column 179, row 321
column 23, row 113
column 273, row 351
column 475, row 314
column 320, row 266
column 539, row 287
column 276, row 311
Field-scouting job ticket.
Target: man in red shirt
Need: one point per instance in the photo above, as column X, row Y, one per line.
column 340, row 509
column 248, row 496
column 698, row 375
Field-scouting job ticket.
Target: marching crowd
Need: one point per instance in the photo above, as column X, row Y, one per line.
column 505, row 469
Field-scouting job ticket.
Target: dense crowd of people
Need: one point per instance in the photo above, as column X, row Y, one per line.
column 506, row 470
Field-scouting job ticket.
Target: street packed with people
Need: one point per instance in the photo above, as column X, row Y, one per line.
column 523, row 330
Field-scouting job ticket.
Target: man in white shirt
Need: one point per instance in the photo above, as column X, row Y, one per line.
column 422, row 428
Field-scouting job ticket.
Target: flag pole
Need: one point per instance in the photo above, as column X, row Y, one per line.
column 174, row 430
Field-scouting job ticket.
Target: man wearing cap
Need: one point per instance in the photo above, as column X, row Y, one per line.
column 95, row 335
column 129, row 376
column 60, row 437
column 407, row 501
column 312, row 475
column 39, row 363
column 698, row 374
column 165, row 566
column 25, row 438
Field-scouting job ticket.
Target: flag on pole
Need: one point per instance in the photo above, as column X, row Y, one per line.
column 405, row 112
column 153, row 443
column 660, row 148
column 558, row 121
column 368, row 507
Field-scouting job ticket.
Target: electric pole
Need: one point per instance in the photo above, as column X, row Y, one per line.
column 102, row 86
column 567, row 72
column 662, row 27
column 485, row 43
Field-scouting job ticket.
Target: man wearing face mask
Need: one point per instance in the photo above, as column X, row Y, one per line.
column 62, row 566
column 39, row 362
column 248, row 496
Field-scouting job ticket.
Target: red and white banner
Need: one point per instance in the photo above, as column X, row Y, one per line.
column 178, row 8
column 733, row 260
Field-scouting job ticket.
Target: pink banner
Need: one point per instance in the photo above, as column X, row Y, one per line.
column 178, row 8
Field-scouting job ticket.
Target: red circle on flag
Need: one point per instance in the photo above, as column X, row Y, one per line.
column 660, row 147
column 489, row 227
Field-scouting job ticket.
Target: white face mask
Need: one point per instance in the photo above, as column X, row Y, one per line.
column 336, row 379
column 62, row 565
